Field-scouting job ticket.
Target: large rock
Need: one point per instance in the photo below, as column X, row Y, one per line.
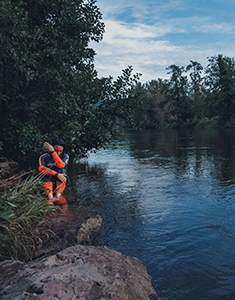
column 69, row 227
column 77, row 272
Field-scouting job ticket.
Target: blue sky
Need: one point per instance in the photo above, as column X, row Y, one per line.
column 151, row 35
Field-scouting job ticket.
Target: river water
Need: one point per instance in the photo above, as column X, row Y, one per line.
column 167, row 197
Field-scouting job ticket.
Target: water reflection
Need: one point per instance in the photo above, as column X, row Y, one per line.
column 167, row 197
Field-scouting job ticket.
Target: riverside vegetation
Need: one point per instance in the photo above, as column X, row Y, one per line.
column 21, row 209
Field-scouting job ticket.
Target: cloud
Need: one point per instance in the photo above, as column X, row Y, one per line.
column 150, row 47
column 196, row 24
column 134, row 44
column 225, row 28
column 122, row 30
column 142, row 11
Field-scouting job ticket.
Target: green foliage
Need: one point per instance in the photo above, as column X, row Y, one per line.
column 49, row 84
column 188, row 100
column 208, row 123
column 220, row 80
column 178, row 93
column 20, row 211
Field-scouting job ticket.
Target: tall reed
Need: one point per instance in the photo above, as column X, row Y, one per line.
column 21, row 209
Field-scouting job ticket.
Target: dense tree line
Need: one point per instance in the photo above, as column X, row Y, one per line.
column 49, row 86
column 193, row 96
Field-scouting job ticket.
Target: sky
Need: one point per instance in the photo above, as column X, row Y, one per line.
column 151, row 35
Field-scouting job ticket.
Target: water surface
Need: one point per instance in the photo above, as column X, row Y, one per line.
column 168, row 198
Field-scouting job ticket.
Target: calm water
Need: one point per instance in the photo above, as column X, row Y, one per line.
column 168, row 198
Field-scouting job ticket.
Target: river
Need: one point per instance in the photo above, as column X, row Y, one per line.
column 167, row 197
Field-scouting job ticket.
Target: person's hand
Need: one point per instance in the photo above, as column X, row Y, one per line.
column 48, row 147
column 62, row 177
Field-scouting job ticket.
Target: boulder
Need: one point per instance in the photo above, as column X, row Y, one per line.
column 88, row 229
column 59, row 231
column 77, row 272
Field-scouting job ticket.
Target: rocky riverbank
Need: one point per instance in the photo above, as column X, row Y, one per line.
column 78, row 272
column 67, row 267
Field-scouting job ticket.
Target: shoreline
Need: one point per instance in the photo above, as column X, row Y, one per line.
column 67, row 246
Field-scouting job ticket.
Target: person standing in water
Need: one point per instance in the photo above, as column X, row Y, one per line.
column 53, row 165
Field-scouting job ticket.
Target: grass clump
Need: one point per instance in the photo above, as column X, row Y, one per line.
column 21, row 209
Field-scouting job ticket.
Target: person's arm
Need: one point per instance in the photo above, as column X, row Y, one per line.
column 58, row 161
column 62, row 176
column 42, row 167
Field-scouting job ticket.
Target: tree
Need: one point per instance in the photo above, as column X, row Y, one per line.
column 178, row 93
column 196, row 90
column 160, row 109
column 49, row 86
column 220, row 81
